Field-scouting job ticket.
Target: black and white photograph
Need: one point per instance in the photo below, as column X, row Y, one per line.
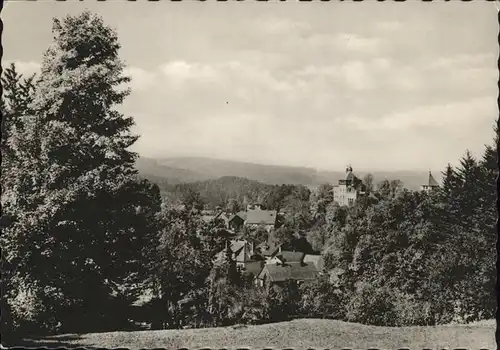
column 249, row 174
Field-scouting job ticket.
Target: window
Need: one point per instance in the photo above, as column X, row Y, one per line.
column 350, row 201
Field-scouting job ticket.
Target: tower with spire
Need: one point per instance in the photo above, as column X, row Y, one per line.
column 431, row 184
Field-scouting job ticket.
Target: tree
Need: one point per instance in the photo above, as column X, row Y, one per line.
column 324, row 198
column 233, row 206
column 181, row 263
column 73, row 191
column 368, row 181
column 17, row 96
column 192, row 200
column 450, row 184
column 396, row 187
column 384, row 188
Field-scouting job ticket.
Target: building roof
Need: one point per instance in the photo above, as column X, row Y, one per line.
column 241, row 214
column 289, row 257
column 290, row 271
column 241, row 251
column 267, row 248
column 432, row 182
column 207, row 217
column 265, row 217
column 317, row 260
column 350, row 176
column 237, row 216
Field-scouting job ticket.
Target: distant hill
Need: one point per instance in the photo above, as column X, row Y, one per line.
column 154, row 170
column 192, row 169
column 268, row 174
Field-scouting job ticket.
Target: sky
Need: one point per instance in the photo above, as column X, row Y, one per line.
column 381, row 86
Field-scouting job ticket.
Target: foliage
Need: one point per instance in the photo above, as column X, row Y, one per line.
column 71, row 193
column 430, row 255
column 220, row 192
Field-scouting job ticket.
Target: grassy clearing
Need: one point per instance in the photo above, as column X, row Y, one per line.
column 297, row 334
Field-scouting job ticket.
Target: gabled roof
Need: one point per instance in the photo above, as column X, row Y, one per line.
column 290, row 271
column 241, row 214
column 265, row 217
column 317, row 260
column 432, row 182
column 241, row 251
column 235, row 216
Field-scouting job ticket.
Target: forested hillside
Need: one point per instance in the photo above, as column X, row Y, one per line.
column 152, row 169
column 185, row 170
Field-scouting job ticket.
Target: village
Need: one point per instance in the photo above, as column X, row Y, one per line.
column 272, row 264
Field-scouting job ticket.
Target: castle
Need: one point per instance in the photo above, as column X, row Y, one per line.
column 348, row 189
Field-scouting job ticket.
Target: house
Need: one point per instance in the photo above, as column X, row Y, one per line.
column 348, row 189
column 259, row 217
column 431, row 184
column 209, row 216
column 253, row 217
column 242, row 253
column 271, row 247
column 236, row 221
column 286, row 266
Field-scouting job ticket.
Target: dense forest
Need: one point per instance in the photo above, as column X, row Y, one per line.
column 84, row 235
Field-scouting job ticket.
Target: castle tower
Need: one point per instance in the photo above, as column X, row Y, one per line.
column 431, row 184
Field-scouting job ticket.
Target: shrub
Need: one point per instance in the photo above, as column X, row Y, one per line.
column 371, row 305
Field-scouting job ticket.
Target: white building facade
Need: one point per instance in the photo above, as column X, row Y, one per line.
column 348, row 189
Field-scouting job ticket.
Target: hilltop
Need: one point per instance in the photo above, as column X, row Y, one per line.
column 193, row 169
column 296, row 334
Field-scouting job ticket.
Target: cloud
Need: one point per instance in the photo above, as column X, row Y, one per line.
column 141, row 79
column 357, row 76
column 457, row 115
column 182, row 71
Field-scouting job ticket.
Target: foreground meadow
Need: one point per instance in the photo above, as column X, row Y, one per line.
column 296, row 334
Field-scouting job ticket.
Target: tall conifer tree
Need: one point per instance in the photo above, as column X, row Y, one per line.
column 75, row 192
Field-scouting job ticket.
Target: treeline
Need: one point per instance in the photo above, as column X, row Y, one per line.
column 217, row 192
column 415, row 258
column 234, row 192
column 84, row 237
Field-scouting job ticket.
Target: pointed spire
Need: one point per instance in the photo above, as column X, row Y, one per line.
column 432, row 181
